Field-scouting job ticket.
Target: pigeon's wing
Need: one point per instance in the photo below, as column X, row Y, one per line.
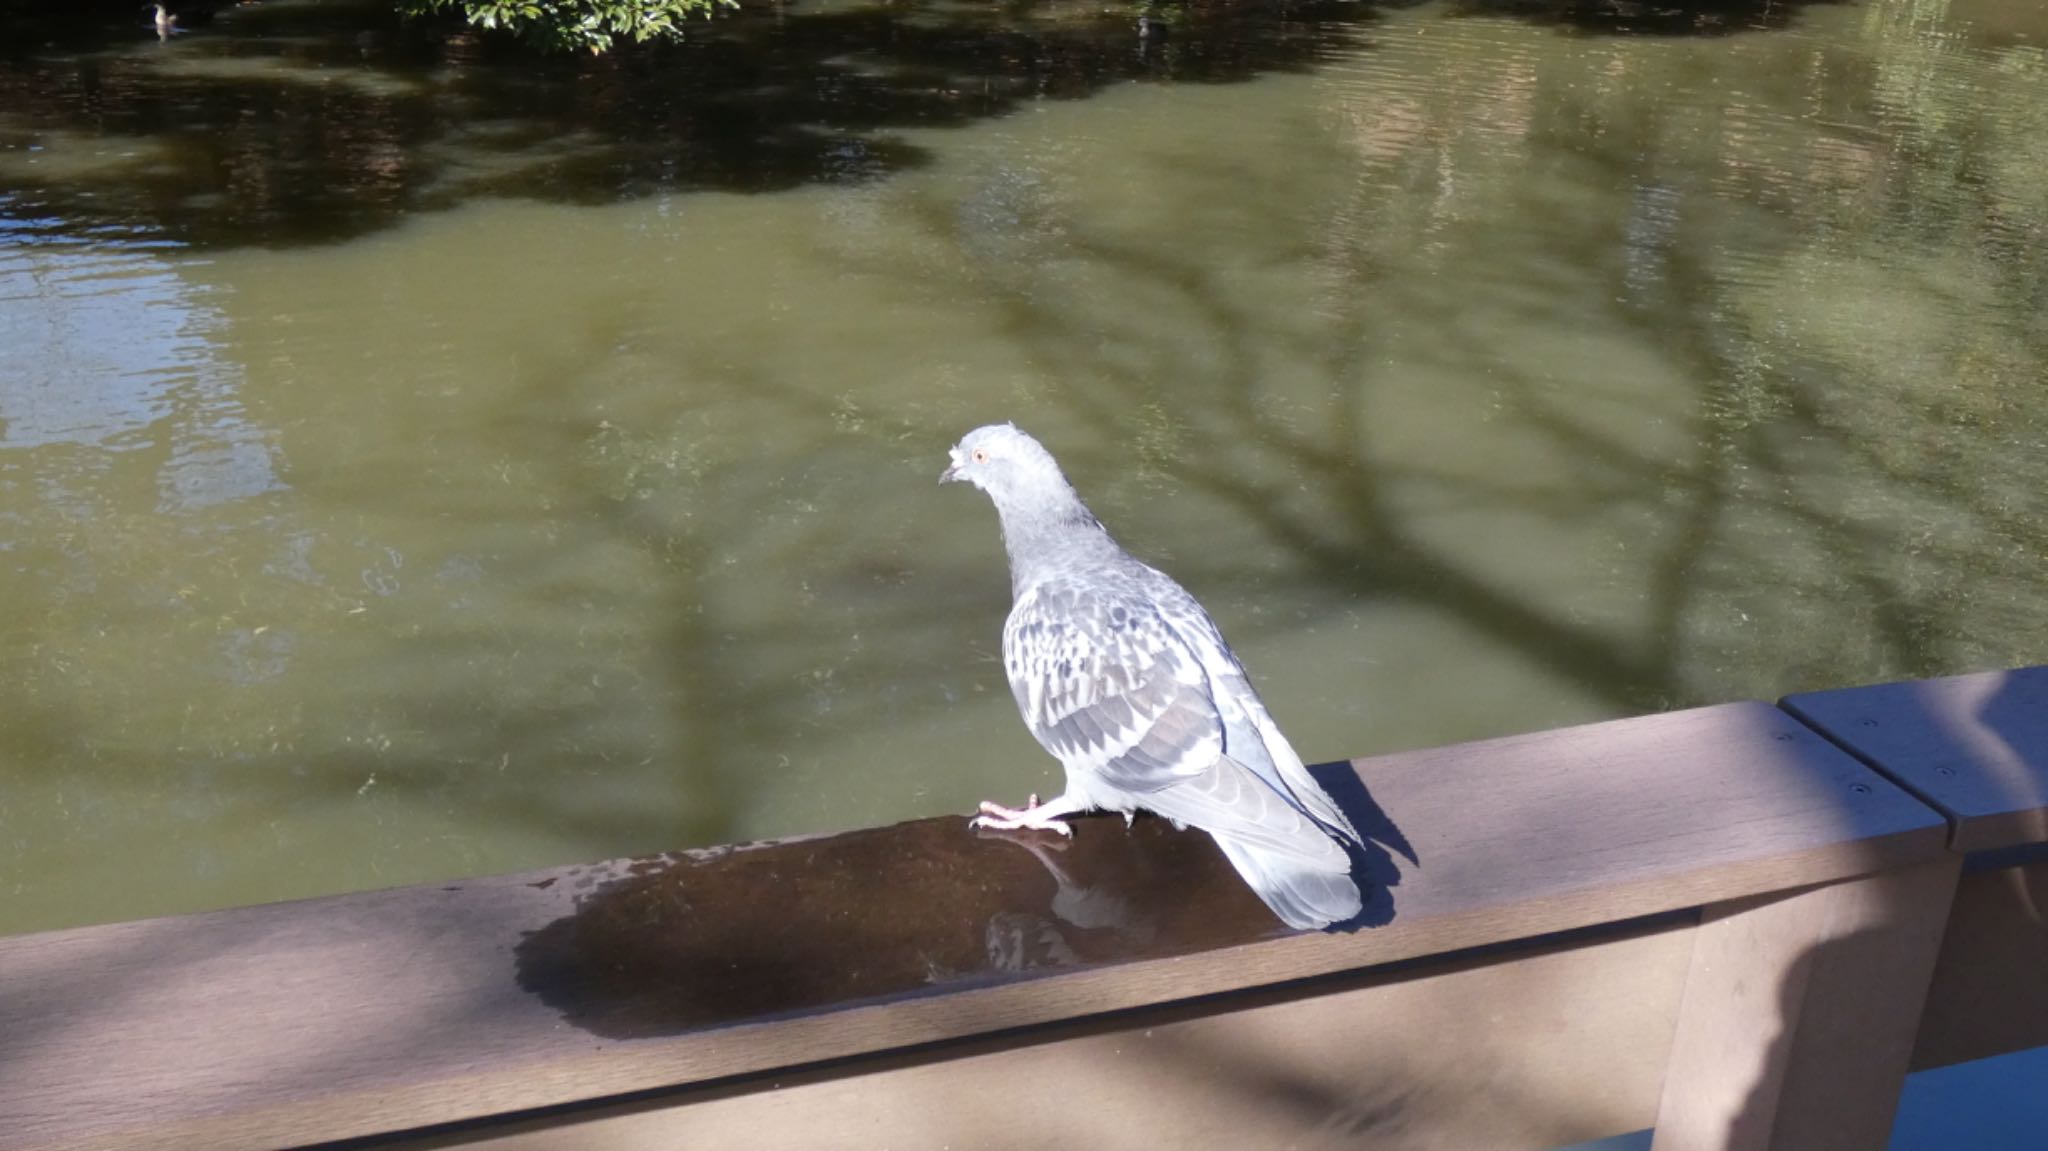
column 1109, row 689
column 1250, row 735
column 1114, row 691
column 1230, row 801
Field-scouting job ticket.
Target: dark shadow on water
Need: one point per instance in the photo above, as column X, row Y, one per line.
column 702, row 939
column 1647, row 17
column 288, row 124
column 300, row 124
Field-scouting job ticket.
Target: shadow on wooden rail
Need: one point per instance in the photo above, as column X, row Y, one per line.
column 1722, row 921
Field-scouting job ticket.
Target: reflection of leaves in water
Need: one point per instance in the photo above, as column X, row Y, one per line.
column 764, row 101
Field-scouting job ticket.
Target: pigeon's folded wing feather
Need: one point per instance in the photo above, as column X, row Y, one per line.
column 1109, row 690
column 1230, row 801
column 1250, row 735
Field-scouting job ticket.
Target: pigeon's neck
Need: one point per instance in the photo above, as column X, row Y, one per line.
column 1051, row 535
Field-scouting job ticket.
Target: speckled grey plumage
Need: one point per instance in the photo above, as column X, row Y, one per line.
column 1124, row 678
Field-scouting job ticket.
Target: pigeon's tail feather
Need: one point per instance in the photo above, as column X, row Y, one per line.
column 1285, row 856
column 1304, row 894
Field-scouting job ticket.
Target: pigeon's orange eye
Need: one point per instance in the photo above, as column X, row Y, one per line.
column 981, row 455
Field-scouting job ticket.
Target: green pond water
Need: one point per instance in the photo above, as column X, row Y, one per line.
column 417, row 460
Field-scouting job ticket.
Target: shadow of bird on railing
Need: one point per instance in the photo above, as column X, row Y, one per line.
column 1372, row 861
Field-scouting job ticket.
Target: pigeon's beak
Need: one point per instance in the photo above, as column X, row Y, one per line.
column 952, row 474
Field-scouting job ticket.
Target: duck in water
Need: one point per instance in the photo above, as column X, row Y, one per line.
column 169, row 23
column 1152, row 33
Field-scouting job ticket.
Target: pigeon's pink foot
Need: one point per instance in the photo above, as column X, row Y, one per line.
column 1031, row 817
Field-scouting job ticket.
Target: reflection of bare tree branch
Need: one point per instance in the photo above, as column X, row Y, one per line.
column 1240, row 453
column 1765, row 459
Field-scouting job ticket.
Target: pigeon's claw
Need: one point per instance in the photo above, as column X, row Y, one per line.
column 996, row 817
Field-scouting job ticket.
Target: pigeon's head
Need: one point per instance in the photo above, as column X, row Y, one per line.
column 1004, row 462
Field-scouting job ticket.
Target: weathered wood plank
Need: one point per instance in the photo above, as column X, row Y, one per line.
column 1564, row 1044
column 1799, row 1015
column 1976, row 746
column 391, row 1010
column 1989, row 994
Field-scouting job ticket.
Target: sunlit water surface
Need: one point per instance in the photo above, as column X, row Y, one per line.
column 418, row 461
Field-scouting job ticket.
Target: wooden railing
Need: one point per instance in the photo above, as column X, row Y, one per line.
column 1722, row 922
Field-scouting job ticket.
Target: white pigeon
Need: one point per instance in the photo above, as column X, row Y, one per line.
column 1125, row 679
